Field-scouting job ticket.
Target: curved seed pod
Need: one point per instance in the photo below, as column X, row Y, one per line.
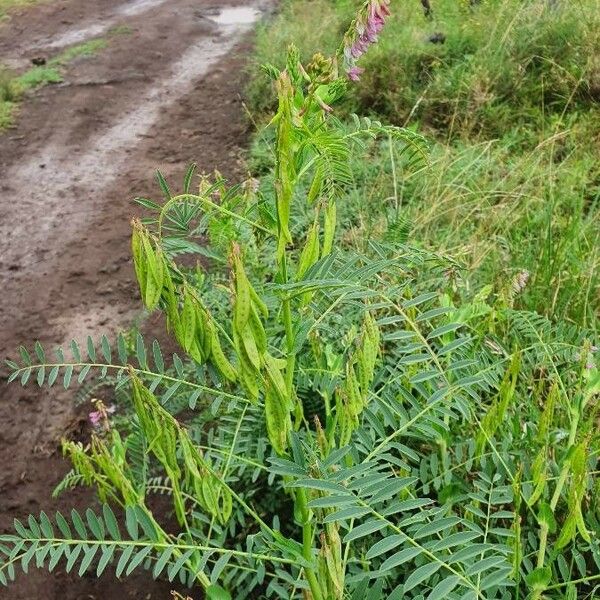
column 276, row 380
column 161, row 268
column 196, row 352
column 250, row 348
column 171, row 310
column 201, row 333
column 199, row 493
column 217, row 355
column 206, row 346
column 284, row 170
column 258, row 331
column 249, row 379
column 310, row 252
column 242, row 293
column 316, row 185
column 137, row 250
column 188, row 320
column 539, row 476
column 364, row 372
column 258, row 302
column 278, row 420
column 329, row 228
column 209, row 495
column 355, row 399
column 226, row 507
column 243, row 358
column 343, row 421
column 188, row 455
column 177, row 497
column 154, row 279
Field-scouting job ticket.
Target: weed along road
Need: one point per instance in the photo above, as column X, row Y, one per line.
column 137, row 86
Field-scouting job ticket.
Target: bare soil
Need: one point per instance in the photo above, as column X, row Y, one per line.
column 161, row 95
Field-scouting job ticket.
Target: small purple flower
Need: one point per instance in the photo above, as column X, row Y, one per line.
column 367, row 27
column 96, row 417
column 99, row 417
column 354, row 73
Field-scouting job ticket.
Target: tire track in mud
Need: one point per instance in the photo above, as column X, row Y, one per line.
column 94, row 168
column 163, row 96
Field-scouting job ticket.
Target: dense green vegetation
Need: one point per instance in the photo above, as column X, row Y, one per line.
column 511, row 103
column 388, row 380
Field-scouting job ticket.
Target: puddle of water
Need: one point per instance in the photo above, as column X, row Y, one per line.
column 238, row 15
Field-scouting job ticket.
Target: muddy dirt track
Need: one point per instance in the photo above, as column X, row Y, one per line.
column 163, row 93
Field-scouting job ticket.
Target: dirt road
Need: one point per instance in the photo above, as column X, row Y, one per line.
column 164, row 92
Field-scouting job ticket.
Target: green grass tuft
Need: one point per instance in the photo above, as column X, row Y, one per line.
column 13, row 86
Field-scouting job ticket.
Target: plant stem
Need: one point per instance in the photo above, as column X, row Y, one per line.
column 307, row 544
column 301, row 499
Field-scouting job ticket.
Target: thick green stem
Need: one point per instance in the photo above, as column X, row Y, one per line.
column 301, row 498
column 307, row 544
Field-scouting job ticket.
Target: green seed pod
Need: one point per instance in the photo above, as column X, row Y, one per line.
column 329, row 228
column 206, row 345
column 139, row 263
column 196, row 353
column 209, row 495
column 372, row 329
column 242, row 294
column 258, row 331
column 276, row 380
column 343, row 420
column 171, row 310
column 154, row 273
column 218, row 356
column 310, row 252
column 258, row 302
column 278, row 420
column 226, row 506
column 249, row 379
column 188, row 320
column 539, row 476
column 353, row 392
column 201, row 333
column 250, row 348
column 316, row 185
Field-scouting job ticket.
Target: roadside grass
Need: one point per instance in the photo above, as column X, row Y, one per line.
column 510, row 103
column 7, row 5
column 13, row 87
column 504, row 65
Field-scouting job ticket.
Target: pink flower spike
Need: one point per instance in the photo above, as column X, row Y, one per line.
column 354, row 73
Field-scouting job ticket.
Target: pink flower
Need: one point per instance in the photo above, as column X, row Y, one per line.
column 96, row 417
column 367, row 27
column 354, row 73
column 99, row 417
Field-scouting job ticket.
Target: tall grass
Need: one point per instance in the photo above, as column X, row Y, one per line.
column 510, row 101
